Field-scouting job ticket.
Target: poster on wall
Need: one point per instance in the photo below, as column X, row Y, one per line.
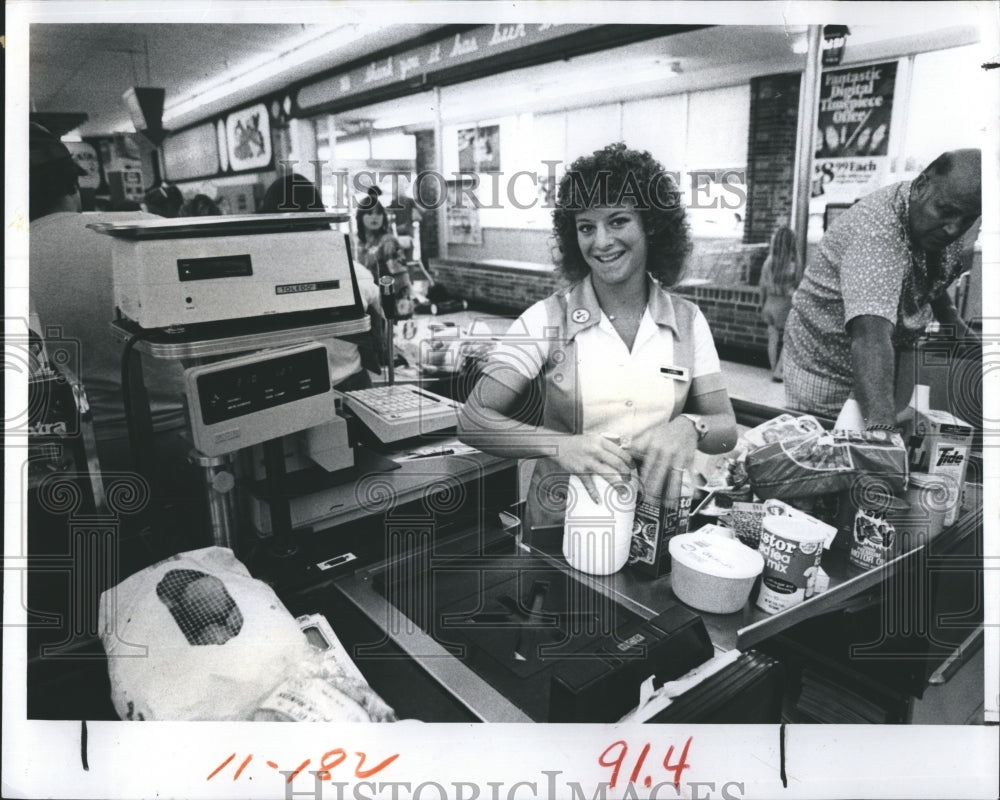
column 479, row 149
column 853, row 128
column 464, row 226
column 248, row 138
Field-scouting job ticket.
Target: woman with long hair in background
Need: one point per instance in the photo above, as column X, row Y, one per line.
column 779, row 278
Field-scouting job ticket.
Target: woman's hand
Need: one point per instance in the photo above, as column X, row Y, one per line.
column 586, row 455
column 662, row 449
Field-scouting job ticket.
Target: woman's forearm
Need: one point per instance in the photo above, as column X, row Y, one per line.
column 722, row 433
column 499, row 435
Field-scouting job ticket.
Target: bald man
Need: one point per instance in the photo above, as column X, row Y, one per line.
column 879, row 277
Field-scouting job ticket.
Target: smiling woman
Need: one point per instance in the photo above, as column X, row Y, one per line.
column 614, row 353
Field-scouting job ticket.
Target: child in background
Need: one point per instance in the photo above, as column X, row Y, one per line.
column 779, row 277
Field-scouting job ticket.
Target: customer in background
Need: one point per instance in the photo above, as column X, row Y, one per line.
column 375, row 239
column 380, row 251
column 201, row 205
column 291, row 193
column 164, row 200
column 403, row 213
column 879, row 277
column 72, row 290
column 349, row 363
column 778, row 279
column 615, row 352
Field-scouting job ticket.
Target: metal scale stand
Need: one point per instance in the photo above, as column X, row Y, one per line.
column 209, row 343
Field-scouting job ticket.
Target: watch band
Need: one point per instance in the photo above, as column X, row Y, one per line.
column 700, row 428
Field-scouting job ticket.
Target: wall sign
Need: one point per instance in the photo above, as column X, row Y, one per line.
column 461, row 48
column 464, row 226
column 479, row 149
column 220, row 133
column 193, row 153
column 855, row 110
column 248, row 138
column 852, row 140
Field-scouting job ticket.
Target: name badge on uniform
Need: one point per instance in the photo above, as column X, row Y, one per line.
column 676, row 373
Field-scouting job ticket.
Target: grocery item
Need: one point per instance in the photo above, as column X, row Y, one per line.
column 932, row 498
column 939, row 443
column 779, row 508
column 875, row 540
column 783, row 428
column 656, row 524
column 712, row 573
column 597, row 536
column 212, row 639
column 791, row 551
column 746, row 520
column 826, row 462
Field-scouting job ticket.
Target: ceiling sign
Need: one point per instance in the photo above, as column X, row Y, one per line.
column 409, row 65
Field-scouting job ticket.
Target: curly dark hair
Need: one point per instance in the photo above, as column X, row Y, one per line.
column 610, row 177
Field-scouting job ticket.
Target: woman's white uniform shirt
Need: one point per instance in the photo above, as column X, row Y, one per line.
column 622, row 392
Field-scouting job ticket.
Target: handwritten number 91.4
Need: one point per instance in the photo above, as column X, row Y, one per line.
column 615, row 756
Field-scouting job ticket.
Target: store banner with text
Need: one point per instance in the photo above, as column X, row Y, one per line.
column 852, row 140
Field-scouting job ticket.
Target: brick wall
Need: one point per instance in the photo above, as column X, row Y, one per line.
column 774, row 103
column 508, row 285
column 733, row 314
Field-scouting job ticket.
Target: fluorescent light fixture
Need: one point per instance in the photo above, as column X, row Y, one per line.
column 247, row 76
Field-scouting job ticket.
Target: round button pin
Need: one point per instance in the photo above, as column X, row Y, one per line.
column 580, row 315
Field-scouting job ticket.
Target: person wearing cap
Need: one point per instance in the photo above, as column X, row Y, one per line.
column 54, row 175
column 880, row 276
column 71, row 289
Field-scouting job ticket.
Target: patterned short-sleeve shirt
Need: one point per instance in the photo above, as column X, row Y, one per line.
column 865, row 265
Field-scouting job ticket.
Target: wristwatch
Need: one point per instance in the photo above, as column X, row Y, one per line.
column 700, row 427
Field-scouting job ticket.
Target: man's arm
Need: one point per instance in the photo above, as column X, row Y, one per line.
column 874, row 363
column 946, row 313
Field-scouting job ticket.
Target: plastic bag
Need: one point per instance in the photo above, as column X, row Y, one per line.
column 826, row 462
column 195, row 637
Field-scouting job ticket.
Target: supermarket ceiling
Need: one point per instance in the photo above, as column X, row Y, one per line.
column 207, row 68
column 193, row 62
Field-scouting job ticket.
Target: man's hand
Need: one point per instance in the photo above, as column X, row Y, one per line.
column 874, row 361
column 946, row 314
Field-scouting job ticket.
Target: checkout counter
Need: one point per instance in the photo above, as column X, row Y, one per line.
column 415, row 555
column 456, row 604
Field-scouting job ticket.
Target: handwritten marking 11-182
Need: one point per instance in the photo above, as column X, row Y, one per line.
column 330, row 760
